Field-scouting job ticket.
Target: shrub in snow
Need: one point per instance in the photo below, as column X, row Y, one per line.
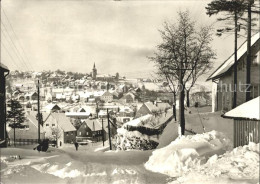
column 134, row 140
column 126, row 142
column 187, row 152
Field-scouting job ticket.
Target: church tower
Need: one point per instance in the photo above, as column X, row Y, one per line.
column 94, row 72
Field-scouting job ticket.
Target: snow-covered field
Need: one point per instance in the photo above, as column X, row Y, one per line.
column 206, row 159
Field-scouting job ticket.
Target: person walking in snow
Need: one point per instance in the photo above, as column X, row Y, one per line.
column 76, row 145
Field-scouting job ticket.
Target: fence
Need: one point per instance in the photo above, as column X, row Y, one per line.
column 150, row 131
column 20, row 142
column 246, row 131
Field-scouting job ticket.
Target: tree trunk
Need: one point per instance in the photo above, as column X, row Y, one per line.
column 14, row 135
column 248, row 63
column 181, row 103
column 235, row 67
column 14, row 132
column 181, row 111
column 188, row 98
column 174, row 106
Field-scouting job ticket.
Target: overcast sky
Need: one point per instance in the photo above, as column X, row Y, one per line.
column 73, row 34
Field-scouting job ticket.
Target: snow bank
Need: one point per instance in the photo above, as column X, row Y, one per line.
column 169, row 134
column 241, row 165
column 187, row 152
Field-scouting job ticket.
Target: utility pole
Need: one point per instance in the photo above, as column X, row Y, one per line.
column 93, row 135
column 109, row 136
column 103, row 133
column 38, row 109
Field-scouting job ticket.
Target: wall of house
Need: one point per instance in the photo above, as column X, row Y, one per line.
column 225, row 83
column 142, row 111
column 47, row 127
column 84, row 131
column 107, row 98
column 2, row 105
column 70, row 137
column 34, row 96
column 214, row 96
column 129, row 99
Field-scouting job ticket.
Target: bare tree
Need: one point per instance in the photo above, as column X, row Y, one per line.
column 56, row 134
column 171, row 81
column 202, row 68
column 183, row 50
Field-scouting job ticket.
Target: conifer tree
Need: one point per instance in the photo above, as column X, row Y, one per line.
column 15, row 115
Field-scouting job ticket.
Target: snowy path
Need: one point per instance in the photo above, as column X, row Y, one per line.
column 81, row 166
column 116, row 167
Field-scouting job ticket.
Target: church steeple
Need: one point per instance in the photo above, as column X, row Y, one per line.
column 94, row 72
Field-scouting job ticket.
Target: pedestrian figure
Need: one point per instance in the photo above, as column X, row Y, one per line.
column 76, row 145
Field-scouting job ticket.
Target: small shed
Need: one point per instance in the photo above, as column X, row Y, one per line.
column 246, row 122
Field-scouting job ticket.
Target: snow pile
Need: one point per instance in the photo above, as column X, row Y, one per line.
column 237, row 166
column 187, row 153
column 169, row 134
column 3, row 162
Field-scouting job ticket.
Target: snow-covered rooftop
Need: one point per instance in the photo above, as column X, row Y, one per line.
column 248, row 110
column 136, row 122
column 77, row 114
column 224, row 67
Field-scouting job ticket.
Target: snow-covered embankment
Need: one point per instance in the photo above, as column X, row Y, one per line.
column 187, row 153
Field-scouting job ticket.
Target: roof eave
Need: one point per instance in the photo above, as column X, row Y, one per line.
column 239, row 118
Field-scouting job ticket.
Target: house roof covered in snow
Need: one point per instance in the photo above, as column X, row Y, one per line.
column 137, row 121
column 63, row 122
column 77, row 114
column 107, row 94
column 248, row 110
column 94, row 124
column 52, row 107
column 224, row 67
column 31, row 116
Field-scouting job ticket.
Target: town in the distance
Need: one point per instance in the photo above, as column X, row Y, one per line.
column 78, row 103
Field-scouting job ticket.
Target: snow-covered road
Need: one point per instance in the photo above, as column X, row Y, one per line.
column 70, row 166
